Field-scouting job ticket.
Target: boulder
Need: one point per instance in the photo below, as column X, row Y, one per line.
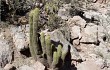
column 25, row 67
column 75, row 32
column 9, row 67
column 39, row 66
column 76, row 20
column 20, row 36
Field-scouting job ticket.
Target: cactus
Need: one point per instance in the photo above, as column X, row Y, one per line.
column 48, row 49
column 53, row 54
column 35, row 31
column 31, row 34
column 63, row 56
column 59, row 51
column 55, row 59
column 34, row 45
column 43, row 43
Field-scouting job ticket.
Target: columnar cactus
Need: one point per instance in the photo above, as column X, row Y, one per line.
column 59, row 51
column 35, row 31
column 63, row 55
column 56, row 56
column 55, row 59
column 33, row 20
column 31, row 34
column 48, row 49
column 43, row 43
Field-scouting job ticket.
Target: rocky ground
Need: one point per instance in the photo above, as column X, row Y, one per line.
column 87, row 33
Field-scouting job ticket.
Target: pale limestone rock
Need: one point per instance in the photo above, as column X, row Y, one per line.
column 76, row 20
column 39, row 66
column 75, row 32
column 9, row 67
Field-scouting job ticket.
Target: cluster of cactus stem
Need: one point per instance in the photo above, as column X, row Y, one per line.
column 41, row 45
column 54, row 54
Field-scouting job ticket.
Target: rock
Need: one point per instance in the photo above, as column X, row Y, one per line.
column 9, row 67
column 20, row 36
column 88, row 65
column 35, row 66
column 64, row 11
column 75, row 32
column 20, row 41
column 102, row 51
column 58, row 37
column 5, row 53
column 76, row 42
column 1, row 69
column 76, row 20
column 92, row 33
column 25, row 67
column 39, row 66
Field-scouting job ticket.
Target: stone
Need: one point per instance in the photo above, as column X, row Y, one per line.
column 20, row 36
column 39, row 66
column 63, row 12
column 88, row 65
column 92, row 33
column 25, row 67
column 75, row 32
column 5, row 53
column 9, row 67
column 20, row 41
column 102, row 51
column 76, row 20
column 76, row 42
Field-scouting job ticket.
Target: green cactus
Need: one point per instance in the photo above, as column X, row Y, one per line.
column 43, row 43
column 34, row 45
column 59, row 51
column 48, row 49
column 63, row 56
column 55, row 59
column 31, row 34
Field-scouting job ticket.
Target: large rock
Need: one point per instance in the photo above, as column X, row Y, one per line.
column 92, row 33
column 5, row 53
column 75, row 32
column 102, row 51
column 35, row 66
column 25, row 67
column 9, row 67
column 76, row 20
column 39, row 66
column 20, row 36
column 88, row 65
